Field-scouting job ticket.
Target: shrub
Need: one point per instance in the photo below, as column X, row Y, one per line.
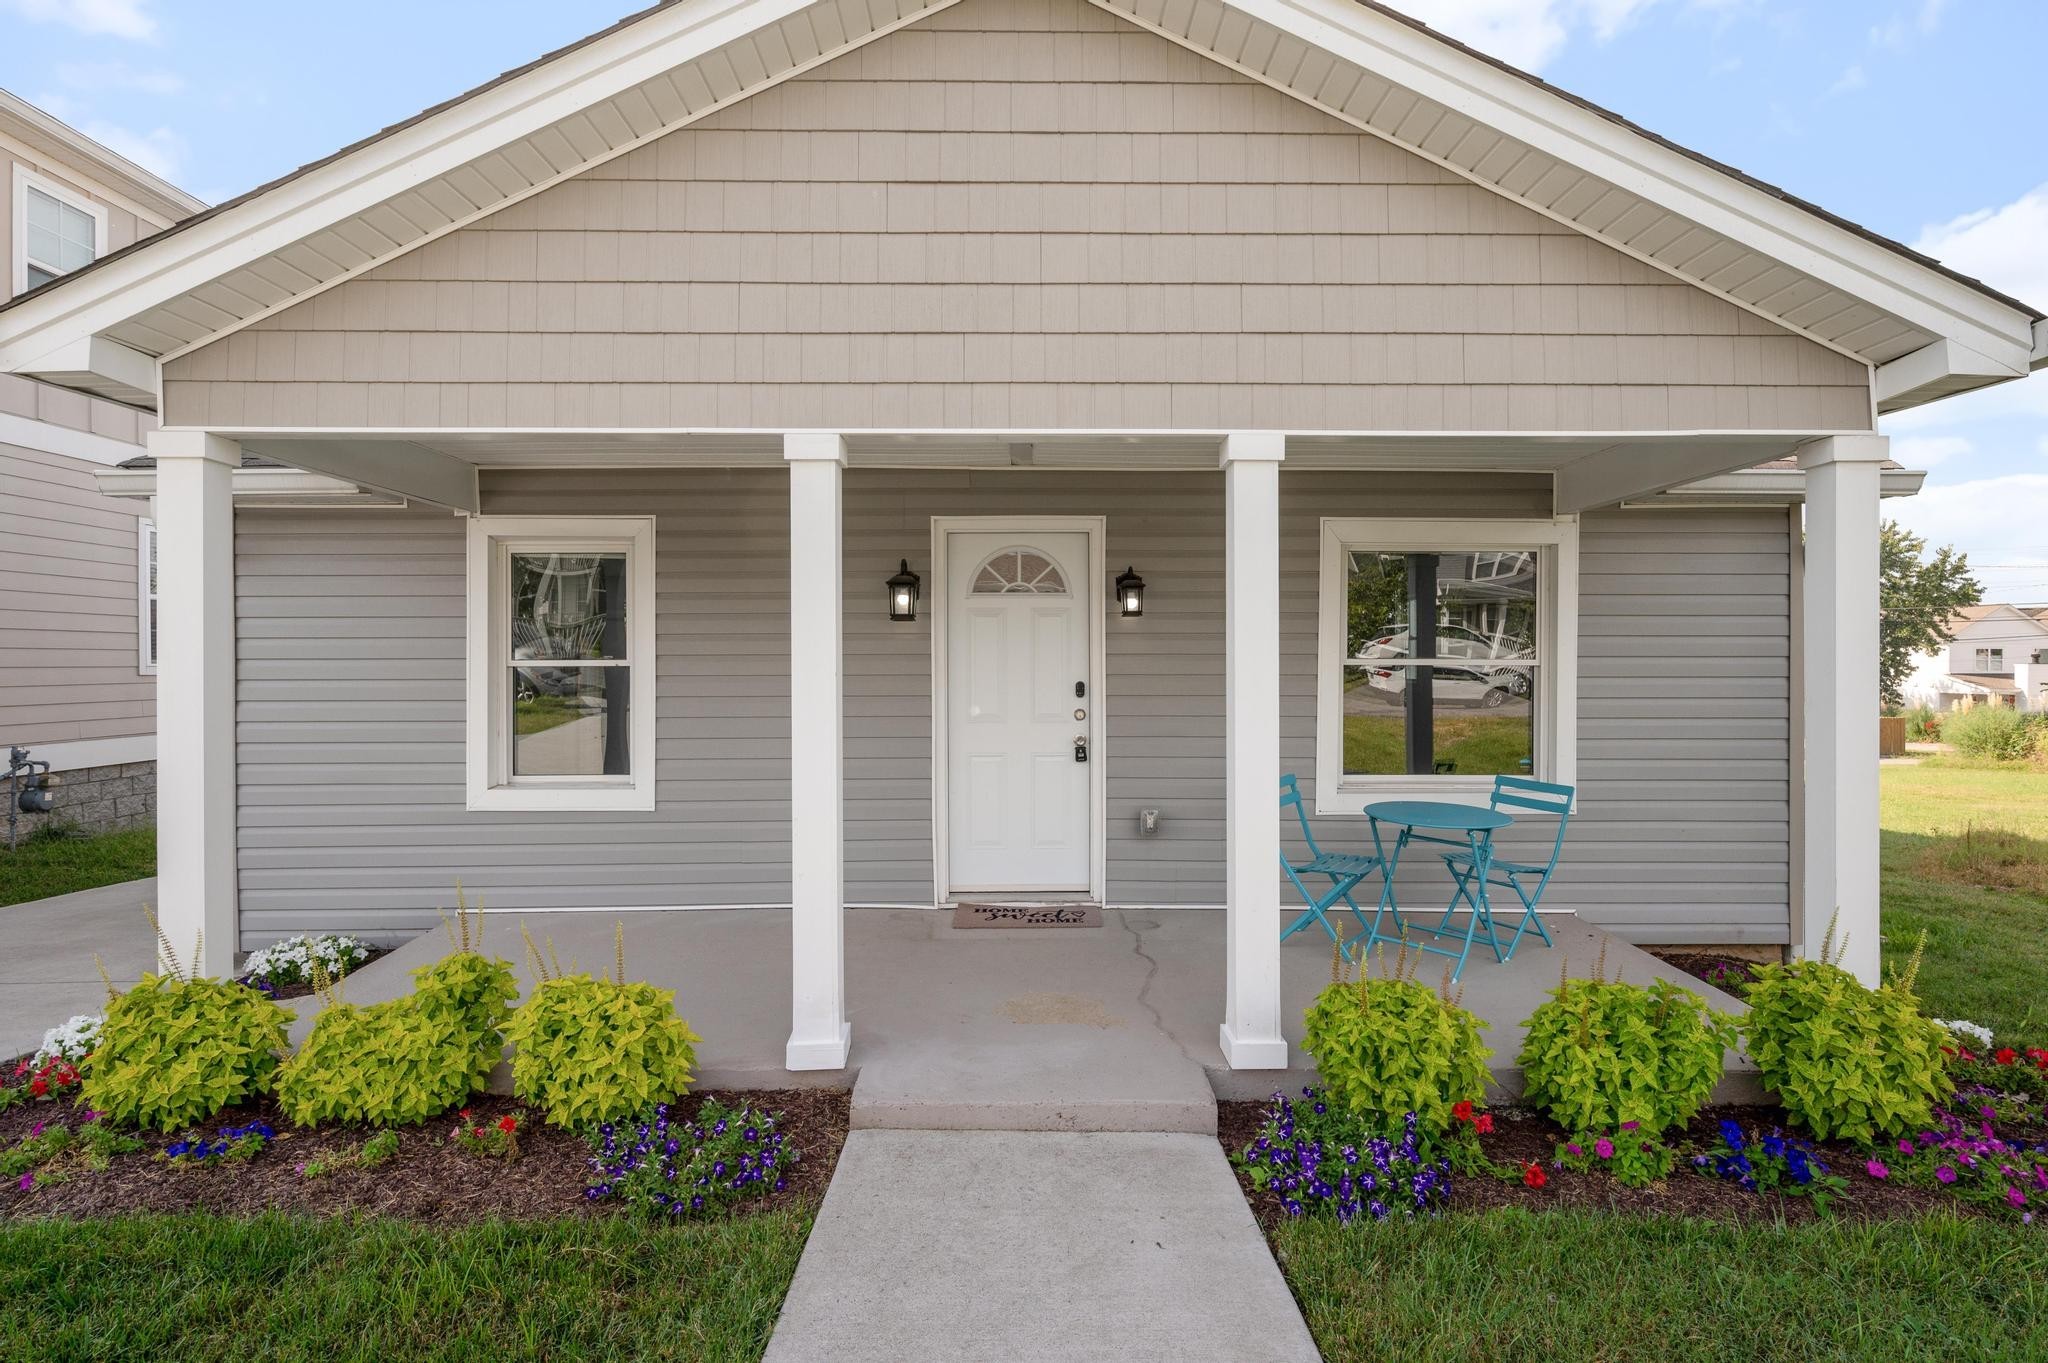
column 1845, row 1060
column 661, row 1165
column 174, row 1051
column 295, row 960
column 387, row 1064
column 1389, row 1047
column 1923, row 725
column 1317, row 1159
column 1993, row 731
column 402, row 1061
column 1601, row 1054
column 590, row 1049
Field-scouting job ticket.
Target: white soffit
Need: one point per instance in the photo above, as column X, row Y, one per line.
column 1783, row 261
column 531, row 129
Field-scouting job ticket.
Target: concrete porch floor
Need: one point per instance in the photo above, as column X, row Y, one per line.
column 1072, row 1029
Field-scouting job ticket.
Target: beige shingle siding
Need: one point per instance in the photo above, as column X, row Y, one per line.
column 1019, row 213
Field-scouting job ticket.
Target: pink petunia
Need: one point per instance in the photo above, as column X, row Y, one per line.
column 1875, row 1168
column 1604, row 1148
column 1945, row 1174
column 2015, row 1197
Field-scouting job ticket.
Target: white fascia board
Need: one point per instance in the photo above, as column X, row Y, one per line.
column 267, row 484
column 101, row 366
column 50, row 438
column 1768, row 487
column 1420, row 62
column 402, row 161
column 1936, row 371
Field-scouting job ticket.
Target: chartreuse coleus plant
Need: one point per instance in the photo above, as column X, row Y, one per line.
column 1846, row 1060
column 402, row 1061
column 1621, row 1064
column 178, row 1048
column 591, row 1049
column 1389, row 1046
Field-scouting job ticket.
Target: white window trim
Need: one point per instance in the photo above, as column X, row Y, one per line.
column 492, row 539
column 1556, row 542
column 145, row 546
column 25, row 180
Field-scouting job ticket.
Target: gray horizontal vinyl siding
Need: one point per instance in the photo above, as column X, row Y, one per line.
column 351, row 700
column 1018, row 214
column 70, row 638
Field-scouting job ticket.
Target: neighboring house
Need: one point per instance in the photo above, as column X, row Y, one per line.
column 77, row 603
column 1996, row 655
column 776, row 392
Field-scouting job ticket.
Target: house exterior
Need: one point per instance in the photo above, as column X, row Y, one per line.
column 1996, row 655
column 77, row 654
column 734, row 428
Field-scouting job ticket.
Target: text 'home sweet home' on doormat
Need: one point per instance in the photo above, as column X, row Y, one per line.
column 1027, row 916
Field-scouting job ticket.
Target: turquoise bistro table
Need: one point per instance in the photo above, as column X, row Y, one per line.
column 1430, row 821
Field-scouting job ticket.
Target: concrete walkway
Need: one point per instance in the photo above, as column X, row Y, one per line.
column 46, row 951
column 1010, row 1246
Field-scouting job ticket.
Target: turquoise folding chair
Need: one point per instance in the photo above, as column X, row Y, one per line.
column 1344, row 870
column 1526, row 879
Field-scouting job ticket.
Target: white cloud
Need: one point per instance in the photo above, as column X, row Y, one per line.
column 1901, row 29
column 1525, row 33
column 115, row 18
column 1852, row 79
column 95, row 76
column 2001, row 523
column 159, row 151
column 1926, row 451
column 2001, row 246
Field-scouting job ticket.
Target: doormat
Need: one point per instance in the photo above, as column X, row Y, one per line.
column 1027, row 916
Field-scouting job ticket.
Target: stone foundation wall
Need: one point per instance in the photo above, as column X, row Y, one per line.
column 97, row 799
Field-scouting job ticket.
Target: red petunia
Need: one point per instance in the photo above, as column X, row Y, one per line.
column 1534, row 1176
column 1483, row 1123
column 38, row 1086
column 508, row 1124
column 1462, row 1111
column 464, row 1114
column 2006, row 1056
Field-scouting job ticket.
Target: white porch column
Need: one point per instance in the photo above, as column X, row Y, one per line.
column 1839, row 697
column 819, row 1034
column 1251, row 1037
column 195, row 697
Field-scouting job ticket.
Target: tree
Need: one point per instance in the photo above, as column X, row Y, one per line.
column 1917, row 597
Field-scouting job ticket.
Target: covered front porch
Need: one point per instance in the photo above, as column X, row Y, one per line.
column 806, row 784
column 1058, row 1029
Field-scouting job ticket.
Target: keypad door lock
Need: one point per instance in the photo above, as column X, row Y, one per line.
column 1080, row 749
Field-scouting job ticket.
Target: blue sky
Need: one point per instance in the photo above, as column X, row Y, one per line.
column 1918, row 118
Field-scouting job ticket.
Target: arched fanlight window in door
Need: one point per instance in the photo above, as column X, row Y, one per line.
column 1019, row 572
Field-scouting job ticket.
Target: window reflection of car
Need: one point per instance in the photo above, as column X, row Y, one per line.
column 1452, row 641
column 542, row 680
column 1489, row 689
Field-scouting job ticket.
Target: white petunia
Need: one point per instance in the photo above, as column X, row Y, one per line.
column 73, row 1041
column 1969, row 1031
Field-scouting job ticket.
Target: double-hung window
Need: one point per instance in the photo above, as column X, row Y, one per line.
column 561, row 662
column 56, row 231
column 145, row 594
column 1991, row 660
column 1448, row 656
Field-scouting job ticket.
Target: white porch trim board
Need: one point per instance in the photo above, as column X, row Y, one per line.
column 819, row 1034
column 1251, row 1036
column 1839, row 617
column 196, row 879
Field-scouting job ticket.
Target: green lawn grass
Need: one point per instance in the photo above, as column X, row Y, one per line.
column 1555, row 1286
column 537, row 714
column 51, row 863
column 281, row 1288
column 1987, row 947
column 1476, row 743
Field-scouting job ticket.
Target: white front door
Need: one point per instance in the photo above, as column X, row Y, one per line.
column 1018, row 791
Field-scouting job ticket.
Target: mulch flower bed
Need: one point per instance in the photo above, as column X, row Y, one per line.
column 1729, row 974
column 429, row 1180
column 1520, row 1138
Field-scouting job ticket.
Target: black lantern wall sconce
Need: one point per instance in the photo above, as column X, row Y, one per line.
column 903, row 587
column 1130, row 593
